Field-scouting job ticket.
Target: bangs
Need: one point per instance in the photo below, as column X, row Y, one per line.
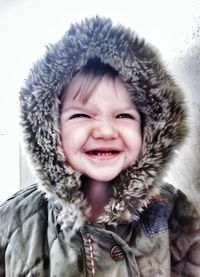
column 88, row 77
column 86, row 84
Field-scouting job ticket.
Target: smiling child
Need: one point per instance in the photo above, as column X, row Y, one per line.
column 101, row 118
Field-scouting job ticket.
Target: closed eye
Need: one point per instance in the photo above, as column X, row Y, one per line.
column 79, row 115
column 125, row 115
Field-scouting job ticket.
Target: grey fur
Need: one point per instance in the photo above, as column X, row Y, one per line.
column 151, row 88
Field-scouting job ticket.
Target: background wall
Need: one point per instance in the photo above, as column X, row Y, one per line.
column 26, row 26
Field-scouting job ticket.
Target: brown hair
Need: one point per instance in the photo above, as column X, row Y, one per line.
column 90, row 75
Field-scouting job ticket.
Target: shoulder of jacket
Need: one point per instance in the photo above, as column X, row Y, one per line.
column 19, row 208
column 179, row 204
column 169, row 194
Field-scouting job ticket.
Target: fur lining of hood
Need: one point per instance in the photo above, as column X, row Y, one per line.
column 153, row 91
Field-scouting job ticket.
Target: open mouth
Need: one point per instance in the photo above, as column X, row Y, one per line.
column 102, row 153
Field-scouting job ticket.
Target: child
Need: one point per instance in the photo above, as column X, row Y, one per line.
column 101, row 118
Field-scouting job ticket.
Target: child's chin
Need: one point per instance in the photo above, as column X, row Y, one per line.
column 103, row 178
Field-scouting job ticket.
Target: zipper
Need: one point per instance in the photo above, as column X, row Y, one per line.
column 90, row 269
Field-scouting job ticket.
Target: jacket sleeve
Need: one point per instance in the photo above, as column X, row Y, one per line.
column 2, row 256
column 3, row 241
column 184, row 227
column 5, row 223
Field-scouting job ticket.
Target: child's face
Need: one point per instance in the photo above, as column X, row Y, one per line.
column 102, row 137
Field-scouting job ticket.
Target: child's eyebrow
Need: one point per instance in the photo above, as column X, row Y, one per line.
column 85, row 108
column 74, row 107
column 127, row 108
column 80, row 107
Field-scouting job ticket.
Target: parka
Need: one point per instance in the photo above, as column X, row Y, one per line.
column 148, row 228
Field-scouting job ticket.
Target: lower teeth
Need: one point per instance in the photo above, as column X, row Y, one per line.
column 104, row 154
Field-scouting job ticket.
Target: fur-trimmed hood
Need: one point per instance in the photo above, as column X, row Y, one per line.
column 153, row 91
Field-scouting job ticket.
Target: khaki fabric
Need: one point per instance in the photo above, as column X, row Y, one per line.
column 35, row 245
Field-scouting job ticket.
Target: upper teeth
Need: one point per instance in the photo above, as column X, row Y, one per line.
column 101, row 153
column 104, row 153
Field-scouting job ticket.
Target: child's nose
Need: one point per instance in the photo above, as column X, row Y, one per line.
column 105, row 129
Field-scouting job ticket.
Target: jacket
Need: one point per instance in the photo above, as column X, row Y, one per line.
column 148, row 228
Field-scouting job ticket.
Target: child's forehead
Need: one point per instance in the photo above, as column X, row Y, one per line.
column 73, row 87
column 83, row 87
column 98, row 90
column 79, row 87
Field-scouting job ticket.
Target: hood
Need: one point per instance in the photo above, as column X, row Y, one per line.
column 152, row 89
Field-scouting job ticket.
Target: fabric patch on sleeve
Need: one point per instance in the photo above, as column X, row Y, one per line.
column 155, row 218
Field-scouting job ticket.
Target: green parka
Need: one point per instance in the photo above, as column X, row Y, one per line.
column 148, row 228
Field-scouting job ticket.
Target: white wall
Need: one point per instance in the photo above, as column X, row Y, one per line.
column 26, row 26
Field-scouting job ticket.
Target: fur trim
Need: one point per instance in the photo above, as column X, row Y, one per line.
column 153, row 91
